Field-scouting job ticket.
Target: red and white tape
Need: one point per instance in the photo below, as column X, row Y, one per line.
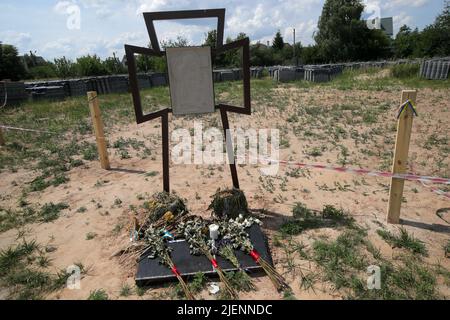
column 437, row 191
column 23, row 129
column 373, row 173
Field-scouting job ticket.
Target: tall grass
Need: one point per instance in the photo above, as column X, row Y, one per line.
column 402, row 71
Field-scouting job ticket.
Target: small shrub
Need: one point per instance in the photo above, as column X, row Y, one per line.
column 99, row 294
column 447, row 249
column 50, row 211
column 405, row 70
column 403, row 240
column 300, row 211
column 90, row 235
column 126, row 290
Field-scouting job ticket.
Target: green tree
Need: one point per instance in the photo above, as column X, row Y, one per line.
column 65, row 68
column 405, row 42
column 310, row 54
column 278, row 42
column 343, row 36
column 42, row 71
column 179, row 42
column 435, row 38
column 211, row 38
column 145, row 63
column 11, row 67
column 113, row 65
column 297, row 54
column 261, row 55
column 90, row 66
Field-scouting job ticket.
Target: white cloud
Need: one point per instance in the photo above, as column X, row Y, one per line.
column 160, row 5
column 134, row 38
column 62, row 6
column 101, row 8
column 21, row 40
column 404, row 3
column 303, row 32
column 106, row 25
column 60, row 47
column 402, row 19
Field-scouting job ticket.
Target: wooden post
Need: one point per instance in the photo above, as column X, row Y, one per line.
column 2, row 139
column 404, row 127
column 98, row 129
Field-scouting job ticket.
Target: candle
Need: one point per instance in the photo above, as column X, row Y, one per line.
column 213, row 231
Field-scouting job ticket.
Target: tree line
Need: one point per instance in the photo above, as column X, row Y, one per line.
column 341, row 36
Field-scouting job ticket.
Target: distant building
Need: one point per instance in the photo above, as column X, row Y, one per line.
column 31, row 60
column 385, row 24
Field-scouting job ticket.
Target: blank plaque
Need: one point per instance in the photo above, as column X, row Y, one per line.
column 190, row 79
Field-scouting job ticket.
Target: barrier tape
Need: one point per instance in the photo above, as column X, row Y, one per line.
column 93, row 98
column 26, row 130
column 404, row 176
column 409, row 104
column 372, row 173
column 437, row 191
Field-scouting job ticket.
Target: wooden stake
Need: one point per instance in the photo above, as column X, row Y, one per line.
column 404, row 127
column 98, row 129
column 2, row 139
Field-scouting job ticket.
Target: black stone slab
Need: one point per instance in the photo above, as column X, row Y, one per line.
column 151, row 271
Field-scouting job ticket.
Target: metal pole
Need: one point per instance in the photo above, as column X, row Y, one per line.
column 295, row 56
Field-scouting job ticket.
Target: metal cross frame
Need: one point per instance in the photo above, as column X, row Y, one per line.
column 220, row 48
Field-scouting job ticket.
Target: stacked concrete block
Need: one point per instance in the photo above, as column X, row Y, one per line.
column 335, row 70
column 77, row 87
column 272, row 70
column 322, row 73
column 237, row 74
column 256, row 72
column 299, row 73
column 158, row 79
column 49, row 83
column 47, row 92
column 118, row 84
column 143, row 81
column 316, row 74
column 435, row 69
column 227, row 75
column 284, row 74
column 102, row 84
column 217, row 76
column 13, row 92
column 91, row 84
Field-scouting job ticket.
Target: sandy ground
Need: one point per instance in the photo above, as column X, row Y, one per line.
column 364, row 197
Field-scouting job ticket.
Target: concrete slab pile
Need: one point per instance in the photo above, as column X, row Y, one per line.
column 118, row 84
column 227, row 75
column 77, row 87
column 158, row 79
column 322, row 73
column 256, row 72
column 47, row 92
column 12, row 93
column 435, row 69
column 143, row 81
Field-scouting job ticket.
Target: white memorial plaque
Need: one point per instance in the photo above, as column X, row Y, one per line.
column 190, row 80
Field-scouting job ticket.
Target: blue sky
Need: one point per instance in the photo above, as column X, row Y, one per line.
column 50, row 27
